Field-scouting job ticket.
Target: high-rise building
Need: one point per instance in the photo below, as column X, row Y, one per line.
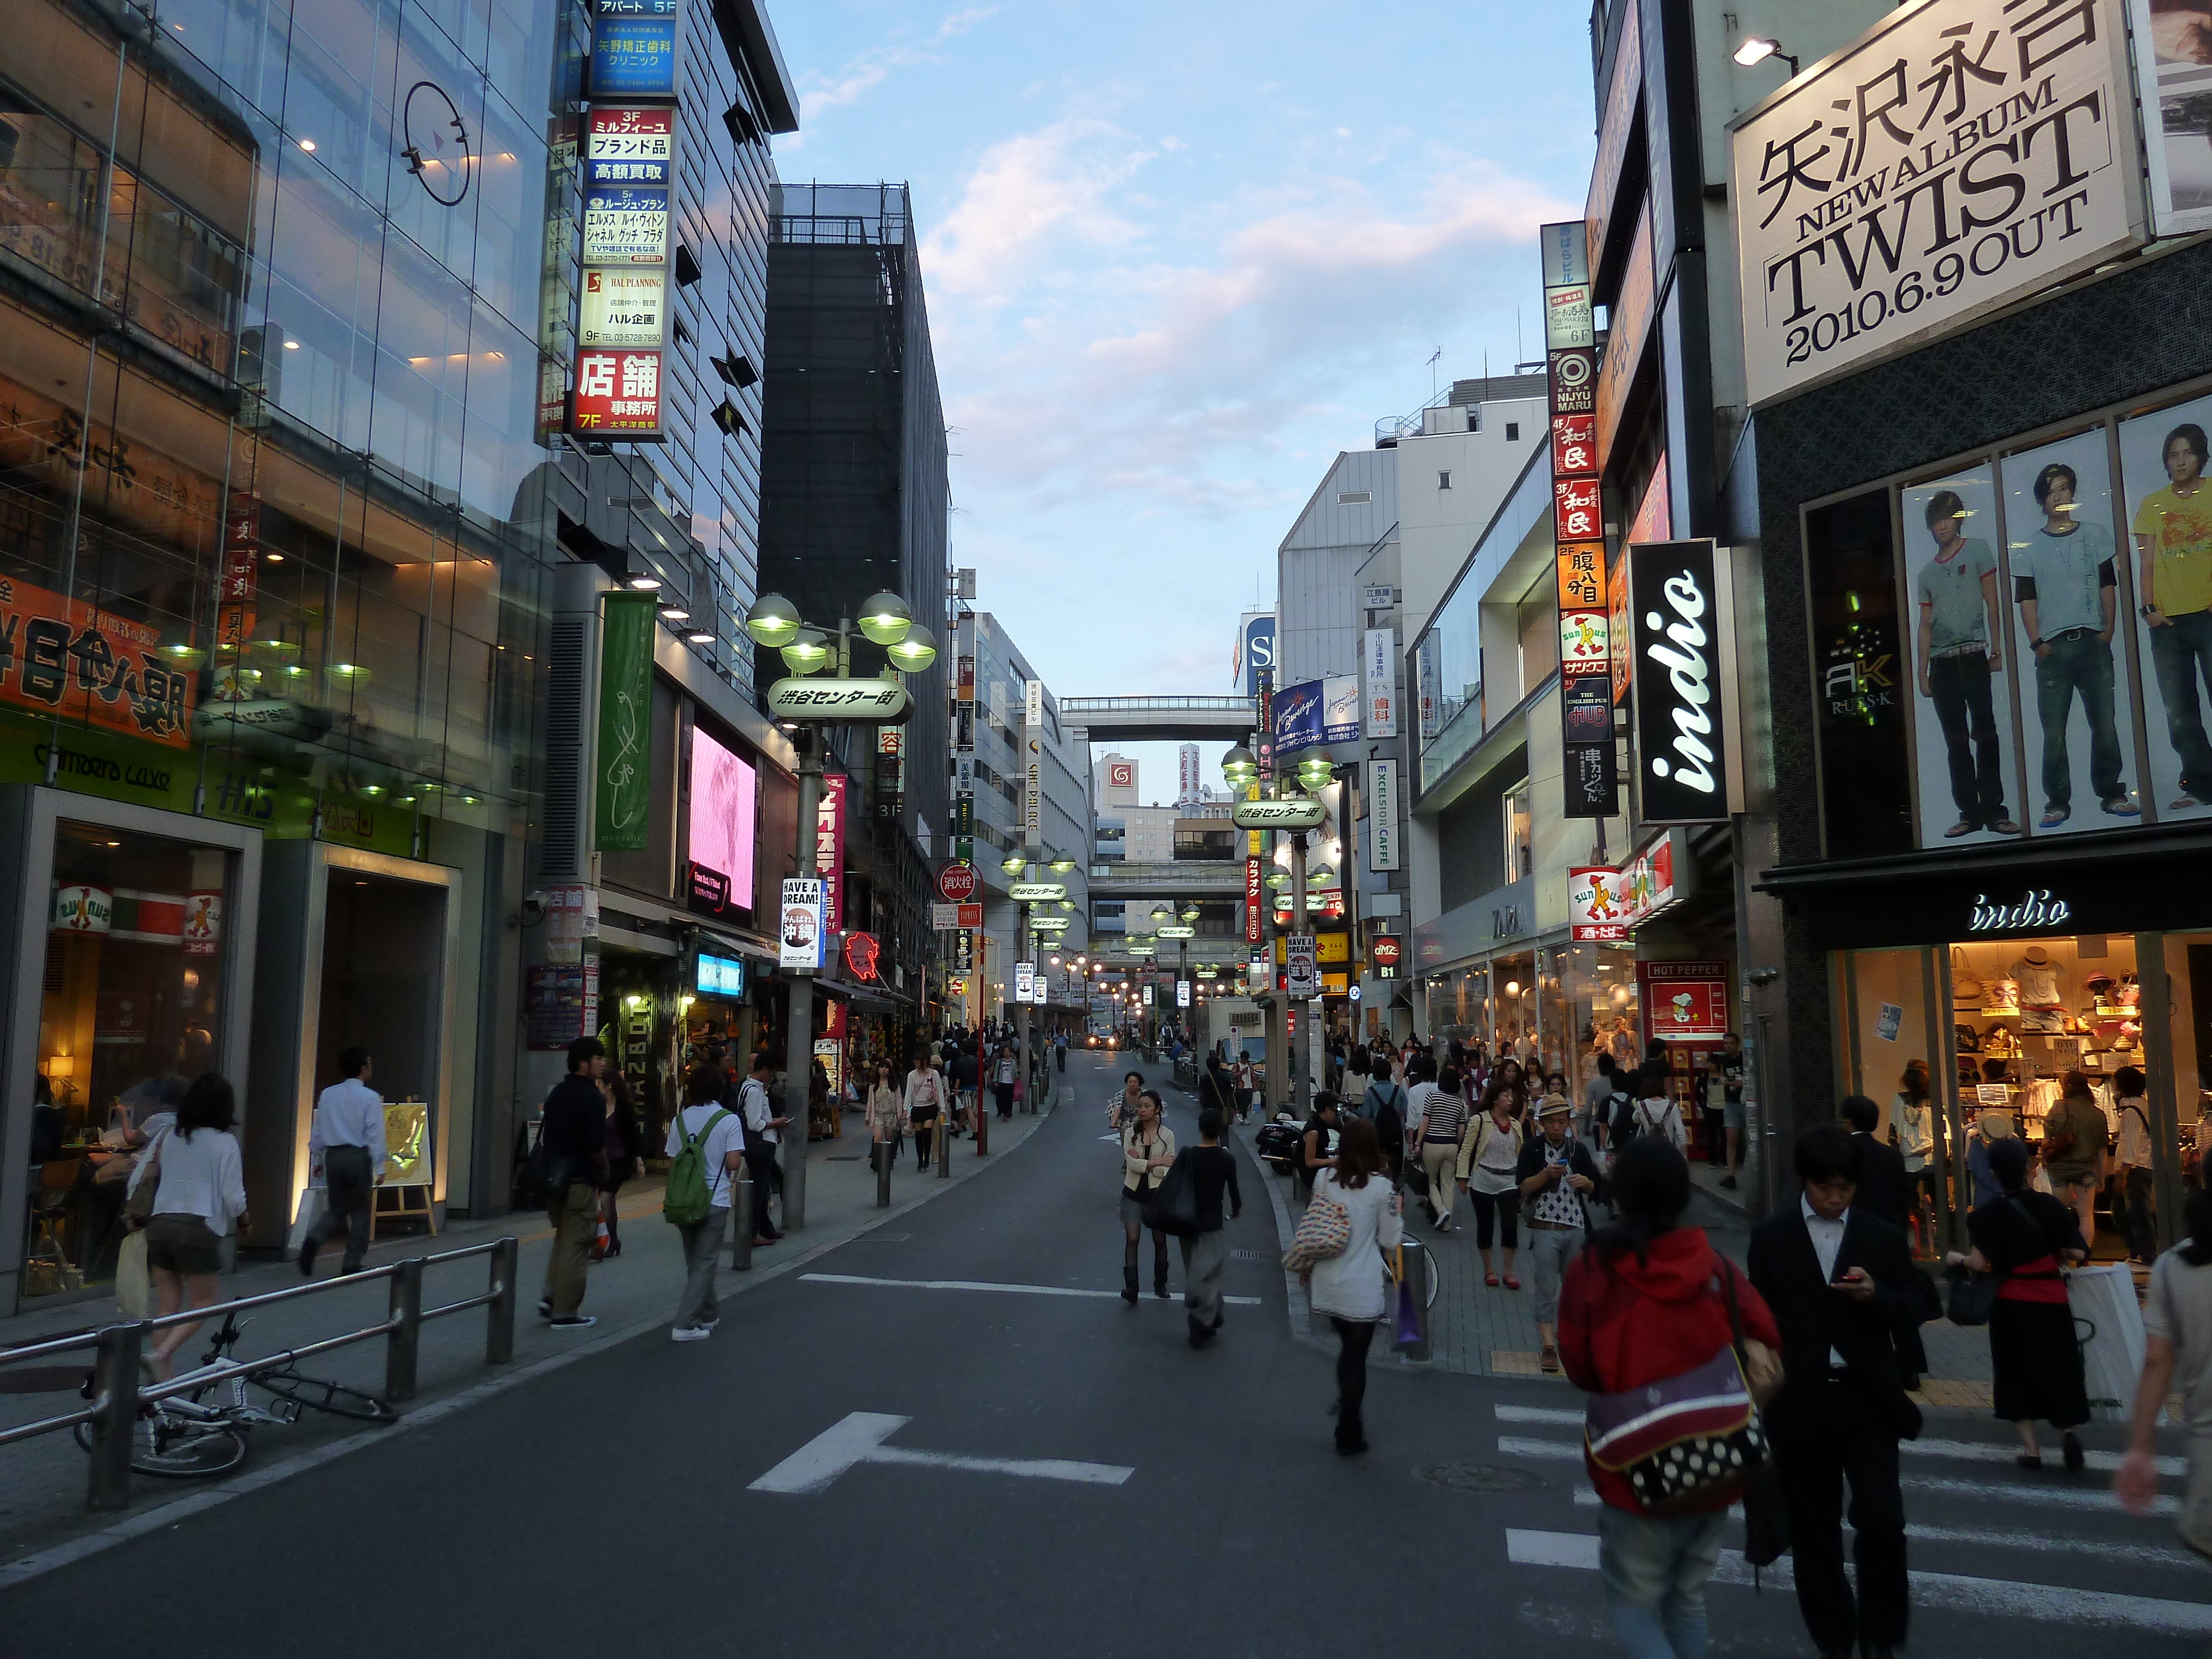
column 1114, row 781
column 1190, row 792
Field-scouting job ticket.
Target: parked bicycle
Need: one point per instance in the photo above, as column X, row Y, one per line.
column 192, row 1435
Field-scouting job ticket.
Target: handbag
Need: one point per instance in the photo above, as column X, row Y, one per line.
column 1973, row 1297
column 1966, row 989
column 1173, row 1206
column 1324, row 1231
column 1408, row 1330
column 138, row 1208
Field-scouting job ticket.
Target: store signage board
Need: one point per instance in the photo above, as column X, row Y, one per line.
column 626, row 225
column 623, row 797
column 832, row 702
column 1302, row 977
column 624, row 308
column 1178, row 930
column 618, row 395
column 1340, row 708
column 721, row 976
column 830, row 848
column 1383, row 804
column 800, row 930
column 1255, row 900
column 1594, row 906
column 1588, row 787
column 1683, row 1001
column 1298, row 718
column 1048, row 924
column 971, row 915
column 1679, row 697
column 90, row 665
column 1379, row 670
column 1300, row 813
column 1861, row 234
column 1037, row 892
column 1647, row 884
column 634, row 57
column 630, row 146
column 1616, row 125
column 1385, row 951
column 942, row 916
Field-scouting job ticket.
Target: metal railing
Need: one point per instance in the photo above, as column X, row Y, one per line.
column 1072, row 709
column 119, row 1392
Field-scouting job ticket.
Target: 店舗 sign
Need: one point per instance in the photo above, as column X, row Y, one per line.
column 617, row 394
column 1958, row 155
column 1678, row 688
column 630, row 146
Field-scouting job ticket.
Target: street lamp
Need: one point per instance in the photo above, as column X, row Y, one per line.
column 1756, row 49
column 885, row 619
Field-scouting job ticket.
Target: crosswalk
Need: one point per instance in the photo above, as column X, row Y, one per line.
column 1999, row 1543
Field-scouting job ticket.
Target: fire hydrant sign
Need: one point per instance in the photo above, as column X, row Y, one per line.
column 800, row 929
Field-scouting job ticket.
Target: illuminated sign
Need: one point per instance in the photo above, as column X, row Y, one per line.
column 630, row 146
column 721, row 976
column 626, row 225
column 617, row 394
column 624, row 308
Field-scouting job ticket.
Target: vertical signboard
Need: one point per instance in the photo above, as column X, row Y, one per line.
column 630, row 146
column 625, row 750
column 1679, row 704
column 1379, row 672
column 1025, row 981
column 800, row 925
column 1587, row 771
column 1382, row 816
column 1255, row 900
column 1302, row 978
column 829, row 850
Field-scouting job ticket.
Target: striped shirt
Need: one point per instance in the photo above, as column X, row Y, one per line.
column 1443, row 1114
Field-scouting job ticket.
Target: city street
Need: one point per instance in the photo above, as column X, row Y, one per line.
column 950, row 1436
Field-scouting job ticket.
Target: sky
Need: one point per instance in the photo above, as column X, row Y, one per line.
column 1177, row 257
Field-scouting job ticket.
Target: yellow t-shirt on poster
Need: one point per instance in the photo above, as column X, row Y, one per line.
column 2181, row 532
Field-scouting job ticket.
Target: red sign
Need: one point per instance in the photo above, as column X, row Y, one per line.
column 1121, row 775
column 1385, row 950
column 75, row 660
column 1597, row 904
column 971, row 915
column 1574, row 445
column 829, row 851
column 618, row 392
column 860, row 953
column 1576, row 512
column 1683, row 1000
column 1254, row 901
column 957, row 883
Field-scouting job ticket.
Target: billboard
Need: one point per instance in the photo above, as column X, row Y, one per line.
column 1340, row 708
column 722, row 817
column 617, row 394
column 624, row 308
column 630, row 146
column 633, row 57
column 1298, row 718
column 1255, row 651
column 626, row 225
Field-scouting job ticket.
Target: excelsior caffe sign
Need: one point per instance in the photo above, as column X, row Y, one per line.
column 1959, row 155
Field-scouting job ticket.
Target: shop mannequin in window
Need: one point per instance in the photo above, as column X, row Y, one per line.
column 2041, row 979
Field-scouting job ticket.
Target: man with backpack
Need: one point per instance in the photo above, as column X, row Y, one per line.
column 1384, row 1104
column 706, row 1143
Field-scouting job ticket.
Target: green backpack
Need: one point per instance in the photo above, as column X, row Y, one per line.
column 686, row 1202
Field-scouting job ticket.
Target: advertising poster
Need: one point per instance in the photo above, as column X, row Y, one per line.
column 2069, row 593
column 624, row 308
column 633, row 57
column 630, row 146
column 626, row 225
column 1340, row 717
column 1955, row 611
column 830, row 848
column 625, row 748
column 2162, row 465
column 723, row 809
column 617, row 394
column 2173, row 76
column 75, row 660
column 1298, row 718
column 798, row 929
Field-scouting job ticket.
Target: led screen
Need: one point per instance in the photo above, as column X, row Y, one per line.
column 722, row 808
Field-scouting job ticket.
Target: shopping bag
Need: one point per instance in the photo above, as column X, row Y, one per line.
column 2108, row 1324
column 1409, row 1318
column 1173, row 1206
column 134, row 1282
column 313, row 1201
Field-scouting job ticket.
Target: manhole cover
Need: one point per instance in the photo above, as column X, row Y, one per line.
column 42, row 1379
column 1480, row 1477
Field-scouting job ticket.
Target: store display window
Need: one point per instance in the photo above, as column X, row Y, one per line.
column 136, row 952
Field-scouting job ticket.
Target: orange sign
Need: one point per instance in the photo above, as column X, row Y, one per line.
column 75, row 660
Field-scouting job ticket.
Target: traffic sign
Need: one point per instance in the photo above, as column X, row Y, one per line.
column 957, row 883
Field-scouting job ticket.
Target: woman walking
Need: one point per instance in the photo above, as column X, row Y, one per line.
column 1324, row 1134
column 199, row 1201
column 1147, row 1151
column 1913, row 1131
column 1645, row 1304
column 1216, row 1088
column 624, row 1162
column 1488, row 1159
column 1002, row 1082
column 1123, row 1111
column 1437, row 1137
column 925, row 1104
column 1352, row 1287
column 2024, row 1237
column 886, row 1110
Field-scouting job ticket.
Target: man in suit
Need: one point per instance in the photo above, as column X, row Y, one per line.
column 1840, row 1281
column 1883, row 1188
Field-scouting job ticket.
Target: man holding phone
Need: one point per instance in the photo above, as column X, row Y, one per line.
column 1557, row 1176
column 1840, row 1282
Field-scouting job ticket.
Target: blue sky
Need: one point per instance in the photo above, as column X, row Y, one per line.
column 1177, row 257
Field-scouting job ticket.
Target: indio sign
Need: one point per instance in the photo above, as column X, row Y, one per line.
column 1957, row 156
column 1297, row 814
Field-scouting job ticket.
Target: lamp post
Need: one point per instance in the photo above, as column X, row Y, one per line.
column 803, row 703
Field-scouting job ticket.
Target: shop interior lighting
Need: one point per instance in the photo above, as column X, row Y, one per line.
column 885, row 619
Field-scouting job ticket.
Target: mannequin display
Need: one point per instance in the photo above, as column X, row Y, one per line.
column 2042, row 981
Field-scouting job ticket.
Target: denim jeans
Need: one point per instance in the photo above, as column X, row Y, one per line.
column 2180, row 652
column 1960, row 687
column 1655, row 1569
column 2136, row 1211
column 2081, row 663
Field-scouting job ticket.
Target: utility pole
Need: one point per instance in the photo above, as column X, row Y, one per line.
column 799, row 1035
column 1303, row 1106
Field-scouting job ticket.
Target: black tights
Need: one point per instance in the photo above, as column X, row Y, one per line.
column 923, row 1133
column 1129, row 1248
column 1354, row 1337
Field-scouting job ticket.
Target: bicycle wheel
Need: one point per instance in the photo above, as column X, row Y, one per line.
column 178, row 1451
column 332, row 1397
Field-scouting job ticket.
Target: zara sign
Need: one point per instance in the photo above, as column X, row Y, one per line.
column 1678, row 688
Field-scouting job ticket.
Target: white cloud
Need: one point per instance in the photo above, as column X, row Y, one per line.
column 871, row 69
column 1056, row 178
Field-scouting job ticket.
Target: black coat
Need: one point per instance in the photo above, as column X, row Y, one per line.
column 1882, row 1181
column 1785, row 1269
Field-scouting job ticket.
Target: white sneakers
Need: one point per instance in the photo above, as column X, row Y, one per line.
column 690, row 1333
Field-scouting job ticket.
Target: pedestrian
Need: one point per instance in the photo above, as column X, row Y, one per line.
column 198, row 1204
column 966, row 1073
column 1147, row 1153
column 1122, row 1110
column 2131, row 1193
column 886, row 1109
column 1840, row 1282
column 764, row 1126
column 2028, row 1239
column 1002, row 1081
column 348, row 1136
column 1912, row 1131
column 1730, row 1064
column 1646, row 1302
column 1881, row 1183
column 1994, row 1125
column 1488, row 1157
column 2074, row 1136
column 1353, row 1287
column 572, row 1129
column 1439, row 1124
column 719, row 1136
column 1319, row 1141
column 924, row 1101
column 2176, row 1341
column 1206, row 1253
column 1654, row 1112
column 1059, row 1050
column 1216, row 1088
column 1557, row 1177
column 1597, row 1095
column 625, row 1145
column 1384, row 1105
column 1248, row 1085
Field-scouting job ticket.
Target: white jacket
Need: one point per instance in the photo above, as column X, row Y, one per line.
column 1353, row 1285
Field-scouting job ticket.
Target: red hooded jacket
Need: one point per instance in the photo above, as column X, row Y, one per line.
column 1624, row 1323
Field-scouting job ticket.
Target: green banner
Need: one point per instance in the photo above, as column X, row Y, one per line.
column 625, row 751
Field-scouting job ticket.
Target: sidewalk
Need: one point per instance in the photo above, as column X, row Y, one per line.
column 42, row 1481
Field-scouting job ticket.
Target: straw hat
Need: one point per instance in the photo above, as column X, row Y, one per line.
column 1994, row 1124
column 1554, row 1106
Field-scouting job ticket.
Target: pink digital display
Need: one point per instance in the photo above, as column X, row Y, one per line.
column 723, row 805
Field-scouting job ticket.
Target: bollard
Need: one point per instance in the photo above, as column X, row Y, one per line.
column 883, row 1150
column 402, row 1345
column 115, row 1381
column 741, row 1222
column 944, row 1147
column 499, row 1312
column 982, row 1126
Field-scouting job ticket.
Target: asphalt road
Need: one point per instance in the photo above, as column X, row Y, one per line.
column 608, row 1506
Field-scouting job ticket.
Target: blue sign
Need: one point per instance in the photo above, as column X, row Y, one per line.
column 639, row 8
column 721, row 976
column 1298, row 718
column 1259, row 651
column 634, row 57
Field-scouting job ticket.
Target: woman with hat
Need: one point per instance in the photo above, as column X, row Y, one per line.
column 1994, row 1125
column 1557, row 1175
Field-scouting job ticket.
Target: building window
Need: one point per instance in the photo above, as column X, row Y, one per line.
column 1444, row 480
column 1520, row 826
column 1513, row 432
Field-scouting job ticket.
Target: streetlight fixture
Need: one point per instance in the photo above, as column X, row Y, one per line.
column 885, row 619
column 1239, row 769
column 808, row 653
column 1755, row 49
column 914, row 651
column 772, row 621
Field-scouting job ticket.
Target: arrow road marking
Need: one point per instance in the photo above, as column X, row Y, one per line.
column 858, row 1439
column 989, row 1285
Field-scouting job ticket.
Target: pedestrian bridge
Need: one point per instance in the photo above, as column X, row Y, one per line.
column 1158, row 719
column 1198, row 878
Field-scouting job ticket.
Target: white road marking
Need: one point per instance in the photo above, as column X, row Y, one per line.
column 2062, row 1498
column 2047, row 1603
column 858, row 1439
column 1515, row 1446
column 1537, row 1414
column 987, row 1284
